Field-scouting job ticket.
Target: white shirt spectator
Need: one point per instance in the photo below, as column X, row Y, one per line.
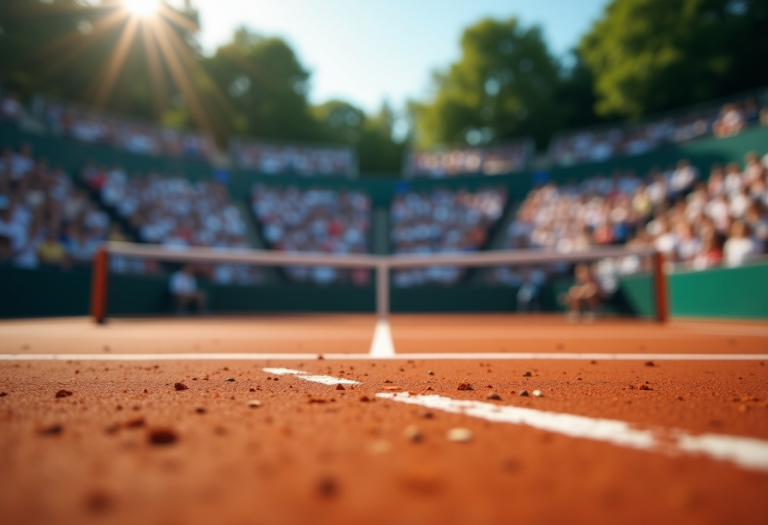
column 183, row 283
column 683, row 178
column 737, row 250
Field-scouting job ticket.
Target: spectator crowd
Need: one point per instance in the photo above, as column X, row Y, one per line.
column 489, row 160
column 176, row 212
column 274, row 159
column 315, row 220
column 441, row 221
column 601, row 144
column 44, row 220
column 695, row 223
column 144, row 138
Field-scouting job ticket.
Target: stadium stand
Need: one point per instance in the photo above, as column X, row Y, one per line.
column 303, row 159
column 315, row 220
column 175, row 212
column 722, row 119
column 440, row 221
column 141, row 137
column 697, row 224
column 44, row 218
column 487, row 160
column 291, row 215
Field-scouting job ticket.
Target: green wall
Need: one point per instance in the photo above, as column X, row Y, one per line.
column 722, row 292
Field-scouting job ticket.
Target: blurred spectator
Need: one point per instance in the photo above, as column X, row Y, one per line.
column 686, row 220
column 487, row 160
column 442, row 221
column 739, row 245
column 315, row 220
column 585, row 296
column 596, row 145
column 42, row 218
column 183, row 287
column 10, row 108
column 51, row 251
column 730, row 122
column 123, row 132
column 175, row 212
column 274, row 159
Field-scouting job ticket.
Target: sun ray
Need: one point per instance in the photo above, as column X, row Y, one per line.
column 70, row 38
column 181, row 78
column 176, row 18
column 100, row 29
column 193, row 65
column 115, row 63
column 156, row 75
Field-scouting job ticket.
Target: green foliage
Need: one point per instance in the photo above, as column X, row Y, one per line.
column 56, row 48
column 652, row 55
column 266, row 87
column 501, row 87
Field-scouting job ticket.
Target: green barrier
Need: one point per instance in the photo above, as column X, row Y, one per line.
column 737, row 293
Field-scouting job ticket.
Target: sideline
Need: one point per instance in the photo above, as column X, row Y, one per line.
column 748, row 453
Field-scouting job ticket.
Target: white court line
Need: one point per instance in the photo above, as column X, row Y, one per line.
column 326, row 380
column 382, row 344
column 500, row 356
column 745, row 452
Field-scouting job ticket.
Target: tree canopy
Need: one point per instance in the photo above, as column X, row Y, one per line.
column 640, row 57
column 652, row 55
column 501, row 87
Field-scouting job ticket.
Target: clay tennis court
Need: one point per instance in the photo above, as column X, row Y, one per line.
column 242, row 419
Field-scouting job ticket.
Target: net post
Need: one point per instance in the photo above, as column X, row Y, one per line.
column 382, row 290
column 660, row 283
column 99, row 280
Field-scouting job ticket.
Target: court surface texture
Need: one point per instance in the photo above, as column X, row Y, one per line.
column 469, row 419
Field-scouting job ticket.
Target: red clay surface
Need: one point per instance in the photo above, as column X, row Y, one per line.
column 88, row 457
column 353, row 333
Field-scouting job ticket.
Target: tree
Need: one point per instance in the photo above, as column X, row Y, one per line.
column 372, row 137
column 67, row 48
column 652, row 55
column 378, row 150
column 266, row 87
column 502, row 87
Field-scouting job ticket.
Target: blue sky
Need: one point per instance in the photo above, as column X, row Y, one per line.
column 366, row 51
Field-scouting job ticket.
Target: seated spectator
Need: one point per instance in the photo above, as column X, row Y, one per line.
column 529, row 293
column 709, row 254
column 683, row 179
column 585, row 296
column 739, row 245
column 183, row 288
column 116, row 233
column 81, row 247
column 10, row 108
column 753, row 170
column 730, row 122
column 51, row 251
